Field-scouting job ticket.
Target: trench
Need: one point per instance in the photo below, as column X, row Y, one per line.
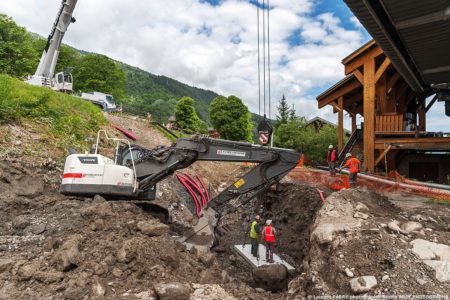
column 292, row 207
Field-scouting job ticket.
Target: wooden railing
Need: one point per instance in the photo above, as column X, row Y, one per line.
column 389, row 123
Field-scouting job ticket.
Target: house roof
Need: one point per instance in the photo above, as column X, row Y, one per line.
column 321, row 120
column 414, row 34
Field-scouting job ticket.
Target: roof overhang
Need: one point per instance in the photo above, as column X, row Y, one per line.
column 414, row 34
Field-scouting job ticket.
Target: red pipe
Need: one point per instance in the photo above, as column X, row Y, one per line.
column 204, row 188
column 195, row 185
column 191, row 192
column 321, row 195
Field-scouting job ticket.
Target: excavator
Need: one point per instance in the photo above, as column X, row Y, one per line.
column 135, row 172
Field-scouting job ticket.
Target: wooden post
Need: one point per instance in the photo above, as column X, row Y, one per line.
column 422, row 117
column 340, row 123
column 354, row 117
column 369, row 114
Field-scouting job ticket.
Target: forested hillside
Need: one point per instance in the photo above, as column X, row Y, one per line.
column 158, row 94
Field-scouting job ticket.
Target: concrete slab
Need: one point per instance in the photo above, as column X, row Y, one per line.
column 245, row 252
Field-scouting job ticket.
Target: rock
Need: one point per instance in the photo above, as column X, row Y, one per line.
column 324, row 233
column 341, row 255
column 442, row 269
column 363, row 284
column 172, row 291
column 98, row 199
column 271, row 277
column 361, row 215
column 6, row 264
column 361, row 207
column 25, row 272
column 97, row 209
column 348, row 272
column 20, row 222
column 208, row 276
column 411, row 226
column 48, row 277
column 38, row 229
column 420, row 281
column 393, row 226
column 260, row 290
column 171, row 257
column 127, row 253
column 117, row 272
column 101, row 268
column 429, row 250
column 67, row 257
column 385, row 277
column 98, row 289
column 152, row 228
column 28, row 186
column 52, row 243
column 207, row 259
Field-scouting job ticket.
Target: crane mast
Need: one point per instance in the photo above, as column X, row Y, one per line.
column 45, row 72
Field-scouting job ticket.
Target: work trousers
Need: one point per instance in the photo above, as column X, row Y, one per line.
column 269, row 250
column 352, row 179
column 332, row 168
column 254, row 243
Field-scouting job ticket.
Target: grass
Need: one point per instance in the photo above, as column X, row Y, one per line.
column 64, row 119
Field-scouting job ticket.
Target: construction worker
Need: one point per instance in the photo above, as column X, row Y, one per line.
column 352, row 164
column 268, row 234
column 331, row 160
column 254, row 235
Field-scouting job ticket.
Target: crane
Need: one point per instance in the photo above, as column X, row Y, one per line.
column 45, row 72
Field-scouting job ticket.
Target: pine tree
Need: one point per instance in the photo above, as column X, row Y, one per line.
column 283, row 112
column 292, row 115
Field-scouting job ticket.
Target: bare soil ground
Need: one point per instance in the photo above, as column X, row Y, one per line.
column 58, row 247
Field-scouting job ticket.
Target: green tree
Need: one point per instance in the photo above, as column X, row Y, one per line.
column 187, row 118
column 297, row 135
column 283, row 112
column 292, row 114
column 17, row 55
column 230, row 116
column 99, row 73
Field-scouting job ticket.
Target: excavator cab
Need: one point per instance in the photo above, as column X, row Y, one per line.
column 63, row 82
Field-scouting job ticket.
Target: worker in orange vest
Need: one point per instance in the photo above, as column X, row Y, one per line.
column 268, row 235
column 352, row 164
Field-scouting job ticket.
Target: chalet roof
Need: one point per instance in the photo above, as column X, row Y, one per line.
column 414, row 34
column 323, row 121
column 336, row 86
column 359, row 51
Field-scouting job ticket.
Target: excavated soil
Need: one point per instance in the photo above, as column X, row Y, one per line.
column 58, row 247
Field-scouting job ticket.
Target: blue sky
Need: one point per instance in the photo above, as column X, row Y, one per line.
column 212, row 44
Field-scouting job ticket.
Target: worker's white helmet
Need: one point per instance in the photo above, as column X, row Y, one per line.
column 348, row 155
column 330, row 147
column 268, row 222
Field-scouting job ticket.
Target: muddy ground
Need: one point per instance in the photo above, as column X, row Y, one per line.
column 58, row 247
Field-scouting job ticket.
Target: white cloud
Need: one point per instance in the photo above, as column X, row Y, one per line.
column 163, row 37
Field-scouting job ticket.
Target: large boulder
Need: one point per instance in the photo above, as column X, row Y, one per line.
column 152, row 228
column 363, row 284
column 68, row 255
column 429, row 250
column 172, row 291
column 271, row 277
column 28, row 186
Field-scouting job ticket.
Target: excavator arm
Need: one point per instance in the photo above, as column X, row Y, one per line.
column 154, row 165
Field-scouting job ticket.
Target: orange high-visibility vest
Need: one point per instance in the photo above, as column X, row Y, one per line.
column 353, row 165
column 269, row 235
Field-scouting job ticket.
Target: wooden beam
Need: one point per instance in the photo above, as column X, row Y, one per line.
column 422, row 117
column 359, row 76
column 431, row 103
column 340, row 92
column 392, row 81
column 381, row 156
column 340, row 123
column 354, row 64
column 348, row 102
column 369, row 114
column 353, row 117
column 382, row 68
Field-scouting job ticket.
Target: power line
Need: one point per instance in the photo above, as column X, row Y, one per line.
column 259, row 61
column 264, row 56
column 268, row 50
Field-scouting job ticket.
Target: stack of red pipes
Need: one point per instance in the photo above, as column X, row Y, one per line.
column 196, row 189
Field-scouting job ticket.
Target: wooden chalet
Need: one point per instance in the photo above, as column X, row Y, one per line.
column 393, row 114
